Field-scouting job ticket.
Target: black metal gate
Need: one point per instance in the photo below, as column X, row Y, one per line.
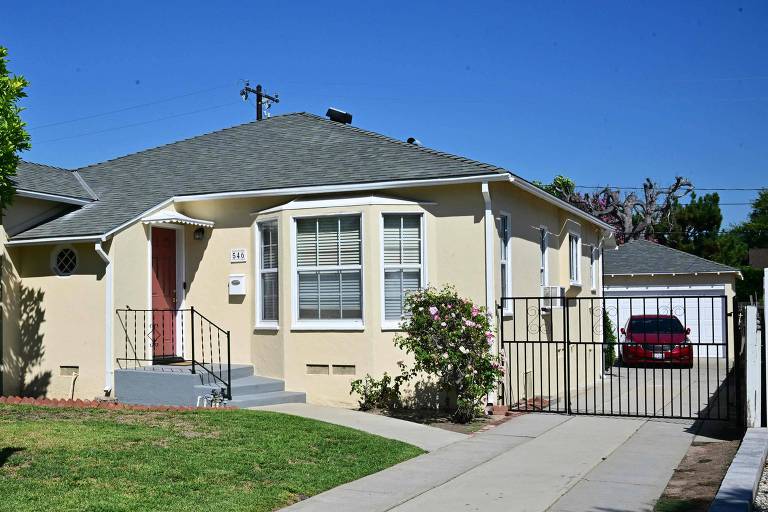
column 634, row 355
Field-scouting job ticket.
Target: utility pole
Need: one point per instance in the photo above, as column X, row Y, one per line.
column 260, row 96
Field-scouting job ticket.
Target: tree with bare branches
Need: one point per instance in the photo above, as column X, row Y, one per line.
column 633, row 216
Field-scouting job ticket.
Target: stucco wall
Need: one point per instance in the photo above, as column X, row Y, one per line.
column 59, row 322
column 455, row 245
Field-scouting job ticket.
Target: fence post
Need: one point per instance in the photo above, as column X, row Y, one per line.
column 192, row 334
column 754, row 387
column 229, row 370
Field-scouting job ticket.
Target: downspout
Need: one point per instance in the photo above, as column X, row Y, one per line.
column 489, row 298
column 109, row 299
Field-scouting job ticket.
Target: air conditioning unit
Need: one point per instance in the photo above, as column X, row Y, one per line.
column 553, row 297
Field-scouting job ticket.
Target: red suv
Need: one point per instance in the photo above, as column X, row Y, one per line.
column 655, row 339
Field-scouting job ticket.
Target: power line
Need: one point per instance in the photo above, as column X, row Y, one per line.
column 181, row 114
column 694, row 188
column 132, row 107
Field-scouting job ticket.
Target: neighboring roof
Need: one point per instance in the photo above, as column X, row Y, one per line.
column 280, row 152
column 54, row 181
column 641, row 257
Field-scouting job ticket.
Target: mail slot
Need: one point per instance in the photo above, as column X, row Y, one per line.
column 237, row 284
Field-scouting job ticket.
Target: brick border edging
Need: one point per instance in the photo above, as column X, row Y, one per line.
column 91, row 404
column 738, row 489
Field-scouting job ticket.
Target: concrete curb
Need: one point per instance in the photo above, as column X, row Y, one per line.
column 737, row 492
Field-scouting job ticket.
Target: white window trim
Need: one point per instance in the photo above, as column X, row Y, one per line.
column 507, row 310
column 394, row 325
column 577, row 281
column 55, row 253
column 545, row 255
column 265, row 325
column 325, row 325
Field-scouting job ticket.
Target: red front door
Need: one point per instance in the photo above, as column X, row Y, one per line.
column 163, row 293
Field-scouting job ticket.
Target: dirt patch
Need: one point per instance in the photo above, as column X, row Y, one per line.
column 441, row 420
column 697, row 478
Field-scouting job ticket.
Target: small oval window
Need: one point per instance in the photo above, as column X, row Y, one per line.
column 65, row 261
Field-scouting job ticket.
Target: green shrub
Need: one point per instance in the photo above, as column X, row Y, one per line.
column 450, row 338
column 609, row 341
column 377, row 394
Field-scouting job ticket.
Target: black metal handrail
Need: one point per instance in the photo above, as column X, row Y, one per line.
column 177, row 336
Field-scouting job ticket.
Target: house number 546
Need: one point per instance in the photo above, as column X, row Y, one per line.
column 238, row 256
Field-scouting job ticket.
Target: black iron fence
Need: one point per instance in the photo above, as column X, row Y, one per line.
column 182, row 337
column 665, row 356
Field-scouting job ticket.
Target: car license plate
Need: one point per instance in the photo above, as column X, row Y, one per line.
column 658, row 355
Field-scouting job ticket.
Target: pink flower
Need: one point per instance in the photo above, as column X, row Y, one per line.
column 432, row 310
column 490, row 342
column 475, row 311
column 436, row 317
column 469, row 323
column 489, row 335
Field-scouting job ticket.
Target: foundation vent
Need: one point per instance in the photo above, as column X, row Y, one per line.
column 317, row 369
column 344, row 369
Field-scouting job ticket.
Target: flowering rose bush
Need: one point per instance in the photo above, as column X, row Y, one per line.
column 451, row 339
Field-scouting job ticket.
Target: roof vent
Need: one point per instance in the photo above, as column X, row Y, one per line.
column 339, row 116
column 414, row 141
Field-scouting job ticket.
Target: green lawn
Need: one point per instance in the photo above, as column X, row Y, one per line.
column 93, row 459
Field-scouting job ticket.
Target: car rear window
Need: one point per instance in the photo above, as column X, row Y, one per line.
column 649, row 325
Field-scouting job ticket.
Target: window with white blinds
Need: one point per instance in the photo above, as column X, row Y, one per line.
column 328, row 264
column 504, row 256
column 268, row 278
column 403, row 267
column 574, row 257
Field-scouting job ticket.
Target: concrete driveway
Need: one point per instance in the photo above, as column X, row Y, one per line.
column 534, row 462
column 665, row 392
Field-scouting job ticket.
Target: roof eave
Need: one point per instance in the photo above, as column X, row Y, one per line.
column 533, row 189
column 45, row 196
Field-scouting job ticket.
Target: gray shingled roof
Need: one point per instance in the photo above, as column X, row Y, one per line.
column 49, row 180
column 291, row 150
column 644, row 257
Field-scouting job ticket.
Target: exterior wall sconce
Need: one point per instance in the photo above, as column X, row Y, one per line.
column 199, row 233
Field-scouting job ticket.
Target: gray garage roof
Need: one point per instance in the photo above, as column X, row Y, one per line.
column 46, row 179
column 292, row 150
column 644, row 257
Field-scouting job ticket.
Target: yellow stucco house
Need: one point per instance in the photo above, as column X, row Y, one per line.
column 279, row 251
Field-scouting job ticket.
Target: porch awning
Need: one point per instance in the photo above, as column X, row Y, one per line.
column 175, row 218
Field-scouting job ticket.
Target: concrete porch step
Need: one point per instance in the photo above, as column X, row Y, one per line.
column 271, row 398
column 256, row 384
column 237, row 371
column 176, row 385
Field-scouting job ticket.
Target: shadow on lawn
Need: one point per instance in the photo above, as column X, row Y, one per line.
column 5, row 454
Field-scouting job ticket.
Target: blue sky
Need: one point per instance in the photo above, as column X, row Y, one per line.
column 604, row 92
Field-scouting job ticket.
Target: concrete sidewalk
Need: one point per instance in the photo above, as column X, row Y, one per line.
column 534, row 462
column 425, row 437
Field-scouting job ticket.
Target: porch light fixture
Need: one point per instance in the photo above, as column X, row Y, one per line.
column 199, row 233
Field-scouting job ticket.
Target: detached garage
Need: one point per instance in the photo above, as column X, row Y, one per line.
column 646, row 278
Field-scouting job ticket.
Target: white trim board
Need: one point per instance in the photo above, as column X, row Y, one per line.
column 52, row 197
column 320, row 189
column 301, row 204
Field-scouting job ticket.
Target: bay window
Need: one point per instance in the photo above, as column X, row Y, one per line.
column 268, row 295
column 329, row 270
column 402, row 262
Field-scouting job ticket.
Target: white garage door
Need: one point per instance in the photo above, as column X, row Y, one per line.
column 701, row 310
